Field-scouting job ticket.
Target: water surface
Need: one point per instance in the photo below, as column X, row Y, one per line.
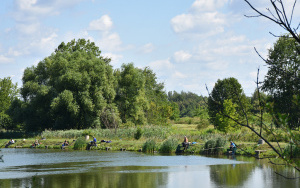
column 55, row 168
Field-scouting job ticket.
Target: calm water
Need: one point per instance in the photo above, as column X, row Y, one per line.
column 53, row 168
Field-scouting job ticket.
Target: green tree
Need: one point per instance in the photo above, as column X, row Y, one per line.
column 226, row 124
column 8, row 93
column 188, row 102
column 258, row 101
column 228, row 88
column 283, row 79
column 130, row 94
column 68, row 89
column 160, row 109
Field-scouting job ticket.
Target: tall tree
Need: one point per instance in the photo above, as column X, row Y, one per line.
column 228, row 88
column 8, row 93
column 68, row 89
column 283, row 78
column 131, row 97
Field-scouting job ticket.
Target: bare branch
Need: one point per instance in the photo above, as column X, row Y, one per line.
column 293, row 12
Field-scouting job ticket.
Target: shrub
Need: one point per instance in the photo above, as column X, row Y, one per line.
column 87, row 132
column 210, row 144
column 203, row 123
column 149, row 146
column 292, row 151
column 168, row 146
column 138, row 133
column 80, row 144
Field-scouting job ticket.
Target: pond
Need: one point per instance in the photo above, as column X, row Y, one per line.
column 72, row 169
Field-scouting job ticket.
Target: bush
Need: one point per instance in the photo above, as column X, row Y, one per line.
column 149, row 146
column 168, row 146
column 210, row 144
column 80, row 144
column 87, row 132
column 203, row 123
column 138, row 133
column 292, row 151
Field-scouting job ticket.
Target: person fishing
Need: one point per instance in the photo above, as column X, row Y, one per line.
column 232, row 147
column 185, row 142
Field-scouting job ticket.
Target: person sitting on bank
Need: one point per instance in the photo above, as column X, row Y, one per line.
column 66, row 143
column 94, row 142
column 36, row 143
column 11, row 141
column 185, row 142
column 232, row 147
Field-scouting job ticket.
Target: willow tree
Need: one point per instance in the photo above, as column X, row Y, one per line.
column 71, row 88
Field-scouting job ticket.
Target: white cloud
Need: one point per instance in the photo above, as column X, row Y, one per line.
column 4, row 59
column 102, row 24
column 45, row 44
column 115, row 58
column 182, row 56
column 202, row 24
column 147, row 48
column 161, row 65
column 110, row 42
column 28, row 29
column 13, row 52
column 178, row 75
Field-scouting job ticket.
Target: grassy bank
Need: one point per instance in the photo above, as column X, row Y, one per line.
column 157, row 139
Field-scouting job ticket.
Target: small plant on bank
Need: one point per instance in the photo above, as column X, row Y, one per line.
column 203, row 123
column 87, row 132
column 149, row 146
column 168, row 146
column 80, row 144
column 138, row 133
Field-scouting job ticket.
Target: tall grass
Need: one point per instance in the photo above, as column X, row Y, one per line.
column 80, row 144
column 168, row 146
column 149, row 146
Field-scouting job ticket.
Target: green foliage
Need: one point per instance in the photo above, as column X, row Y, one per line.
column 130, row 96
column 138, row 133
column 282, row 80
column 222, row 120
column 215, row 145
column 258, row 101
column 87, row 132
column 203, row 123
column 292, row 151
column 68, row 89
column 8, row 93
column 168, row 146
column 228, row 88
column 149, row 146
column 80, row 144
column 188, row 103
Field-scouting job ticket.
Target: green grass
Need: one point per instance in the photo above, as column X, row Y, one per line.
column 125, row 137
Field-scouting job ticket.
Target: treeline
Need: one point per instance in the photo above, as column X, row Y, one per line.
column 76, row 88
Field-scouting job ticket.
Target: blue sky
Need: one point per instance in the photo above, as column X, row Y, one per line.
column 187, row 43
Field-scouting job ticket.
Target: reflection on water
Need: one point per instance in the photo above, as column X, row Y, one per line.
column 66, row 169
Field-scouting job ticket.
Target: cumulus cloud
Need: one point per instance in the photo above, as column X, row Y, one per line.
column 4, row 59
column 102, row 24
column 111, row 42
column 161, row 65
column 147, row 48
column 202, row 20
column 115, row 58
column 182, row 56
